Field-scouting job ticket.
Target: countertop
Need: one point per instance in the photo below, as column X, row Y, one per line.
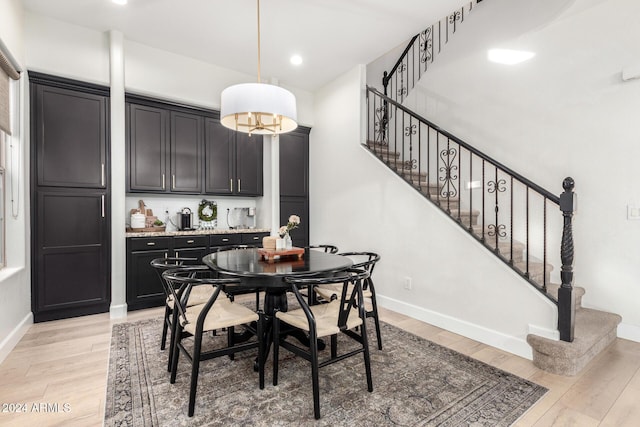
column 196, row 232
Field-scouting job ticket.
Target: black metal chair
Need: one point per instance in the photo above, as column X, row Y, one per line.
column 330, row 249
column 201, row 296
column 343, row 314
column 366, row 261
column 217, row 313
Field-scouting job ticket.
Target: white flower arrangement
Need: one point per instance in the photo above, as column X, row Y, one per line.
column 294, row 221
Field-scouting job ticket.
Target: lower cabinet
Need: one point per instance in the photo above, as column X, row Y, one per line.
column 144, row 288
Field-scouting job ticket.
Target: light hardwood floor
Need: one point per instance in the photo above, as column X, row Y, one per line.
column 65, row 363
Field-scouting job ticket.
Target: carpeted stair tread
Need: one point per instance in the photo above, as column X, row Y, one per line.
column 594, row 331
column 552, row 290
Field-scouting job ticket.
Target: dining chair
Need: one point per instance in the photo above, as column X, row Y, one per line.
column 344, row 314
column 199, row 296
column 330, row 249
column 367, row 261
column 217, row 313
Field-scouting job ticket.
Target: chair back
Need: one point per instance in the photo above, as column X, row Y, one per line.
column 363, row 260
column 329, row 249
column 162, row 264
column 350, row 298
column 180, row 283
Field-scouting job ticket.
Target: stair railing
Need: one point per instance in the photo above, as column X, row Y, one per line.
column 421, row 52
column 503, row 210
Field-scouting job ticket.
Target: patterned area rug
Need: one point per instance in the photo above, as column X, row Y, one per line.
column 416, row 383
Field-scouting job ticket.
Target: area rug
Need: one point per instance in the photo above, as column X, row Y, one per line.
column 416, row 383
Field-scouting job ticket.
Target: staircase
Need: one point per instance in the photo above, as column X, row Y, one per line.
column 512, row 217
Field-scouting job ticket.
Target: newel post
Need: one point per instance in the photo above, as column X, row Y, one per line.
column 566, row 297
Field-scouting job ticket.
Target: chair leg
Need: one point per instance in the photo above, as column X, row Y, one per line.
column 195, row 369
column 367, row 359
column 175, row 345
column 174, row 334
column 230, row 332
column 165, row 326
column 314, row 378
column 261, row 345
column 276, row 348
column 334, row 346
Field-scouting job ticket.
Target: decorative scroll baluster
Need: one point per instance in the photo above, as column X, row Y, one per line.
column 496, row 230
column 566, row 297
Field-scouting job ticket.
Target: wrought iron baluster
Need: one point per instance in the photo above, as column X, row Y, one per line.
column 483, row 192
column 437, row 168
column 511, row 224
column 428, row 161
column 459, row 181
column 526, row 273
column 420, row 157
column 470, row 190
column 544, row 244
column 496, row 230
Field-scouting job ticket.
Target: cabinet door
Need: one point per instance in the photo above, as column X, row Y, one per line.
column 72, row 253
column 197, row 253
column 147, row 138
column 294, row 164
column 70, row 137
column 249, row 164
column 186, row 152
column 144, row 288
column 296, row 206
column 219, row 155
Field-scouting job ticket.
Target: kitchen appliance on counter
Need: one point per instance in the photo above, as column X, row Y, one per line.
column 185, row 218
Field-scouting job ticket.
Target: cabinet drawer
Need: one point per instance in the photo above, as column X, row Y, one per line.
column 253, row 238
column 224, row 239
column 149, row 243
column 189, row 241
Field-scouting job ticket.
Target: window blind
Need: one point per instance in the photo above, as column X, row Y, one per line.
column 7, row 71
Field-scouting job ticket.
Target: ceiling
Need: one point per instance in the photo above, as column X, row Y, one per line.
column 332, row 36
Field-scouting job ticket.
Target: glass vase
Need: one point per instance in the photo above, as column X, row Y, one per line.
column 288, row 244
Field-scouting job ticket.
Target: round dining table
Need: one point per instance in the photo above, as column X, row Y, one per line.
column 268, row 275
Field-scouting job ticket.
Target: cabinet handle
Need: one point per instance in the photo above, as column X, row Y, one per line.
column 102, row 204
column 102, row 174
column 190, row 241
column 239, row 190
column 231, row 184
column 151, row 244
column 173, row 182
column 177, row 254
column 166, row 254
column 163, row 181
column 256, row 238
column 225, row 240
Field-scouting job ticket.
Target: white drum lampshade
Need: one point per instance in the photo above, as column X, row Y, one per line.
column 259, row 108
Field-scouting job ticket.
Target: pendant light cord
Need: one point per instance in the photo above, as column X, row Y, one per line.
column 258, row 41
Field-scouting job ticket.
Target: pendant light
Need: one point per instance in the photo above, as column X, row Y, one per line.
column 258, row 108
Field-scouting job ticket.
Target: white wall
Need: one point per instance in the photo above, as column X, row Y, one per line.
column 15, row 287
column 358, row 205
column 566, row 112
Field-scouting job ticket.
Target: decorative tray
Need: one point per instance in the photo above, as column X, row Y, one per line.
column 270, row 255
column 141, row 230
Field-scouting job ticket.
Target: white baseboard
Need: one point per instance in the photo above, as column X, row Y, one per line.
column 629, row 332
column 484, row 335
column 118, row 311
column 15, row 336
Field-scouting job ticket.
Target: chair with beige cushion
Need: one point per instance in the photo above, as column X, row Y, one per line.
column 342, row 315
column 218, row 313
column 199, row 296
column 366, row 261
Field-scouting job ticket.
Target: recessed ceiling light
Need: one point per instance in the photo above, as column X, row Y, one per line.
column 120, row 2
column 296, row 60
column 509, row 56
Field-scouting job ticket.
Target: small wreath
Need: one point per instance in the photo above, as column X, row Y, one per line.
column 207, row 211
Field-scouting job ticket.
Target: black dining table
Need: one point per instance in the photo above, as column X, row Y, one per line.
column 255, row 272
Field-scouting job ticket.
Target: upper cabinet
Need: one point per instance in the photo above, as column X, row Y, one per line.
column 178, row 149
column 71, row 130
column 233, row 163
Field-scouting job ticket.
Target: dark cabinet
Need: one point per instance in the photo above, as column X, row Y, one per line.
column 164, row 150
column 294, row 182
column 70, row 239
column 144, row 288
column 147, row 141
column 233, row 163
column 70, row 137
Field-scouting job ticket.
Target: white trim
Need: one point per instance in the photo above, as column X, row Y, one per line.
column 629, row 332
column 118, row 311
column 15, row 336
column 490, row 337
column 552, row 334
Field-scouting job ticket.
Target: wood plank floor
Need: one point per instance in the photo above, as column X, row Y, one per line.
column 58, row 375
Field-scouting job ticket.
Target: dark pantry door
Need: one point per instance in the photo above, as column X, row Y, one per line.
column 70, row 198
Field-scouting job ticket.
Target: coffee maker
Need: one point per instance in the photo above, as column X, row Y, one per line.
column 185, row 217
